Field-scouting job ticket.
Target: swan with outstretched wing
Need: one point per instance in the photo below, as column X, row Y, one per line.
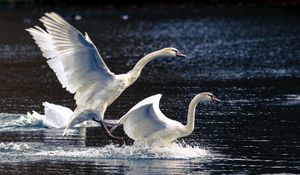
column 81, row 70
column 145, row 123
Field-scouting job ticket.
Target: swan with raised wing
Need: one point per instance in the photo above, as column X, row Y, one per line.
column 81, row 70
column 145, row 123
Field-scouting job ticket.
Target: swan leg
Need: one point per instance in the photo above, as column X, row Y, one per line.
column 107, row 124
column 109, row 135
column 112, row 129
column 107, row 132
column 95, row 120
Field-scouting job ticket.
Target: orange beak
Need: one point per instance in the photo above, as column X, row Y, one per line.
column 179, row 54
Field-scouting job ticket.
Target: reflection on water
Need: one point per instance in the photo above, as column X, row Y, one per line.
column 249, row 59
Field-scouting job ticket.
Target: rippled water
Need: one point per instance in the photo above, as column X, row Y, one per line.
column 248, row 57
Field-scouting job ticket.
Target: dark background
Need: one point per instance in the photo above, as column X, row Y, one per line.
column 161, row 2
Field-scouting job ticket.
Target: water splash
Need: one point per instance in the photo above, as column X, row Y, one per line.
column 32, row 120
column 176, row 151
column 291, row 99
column 19, row 120
column 9, row 147
column 173, row 151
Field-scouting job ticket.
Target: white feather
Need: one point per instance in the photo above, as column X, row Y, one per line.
column 145, row 120
column 43, row 40
column 73, row 57
column 55, row 116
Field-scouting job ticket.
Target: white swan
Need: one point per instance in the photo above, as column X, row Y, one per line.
column 145, row 123
column 55, row 116
column 81, row 70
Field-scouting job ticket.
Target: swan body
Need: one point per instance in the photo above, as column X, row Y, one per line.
column 145, row 123
column 81, row 70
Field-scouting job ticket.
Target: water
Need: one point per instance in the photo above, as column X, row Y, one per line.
column 248, row 57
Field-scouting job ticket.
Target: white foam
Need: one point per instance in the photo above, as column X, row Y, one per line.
column 10, row 146
column 18, row 120
column 293, row 96
column 173, row 151
column 32, row 120
column 291, row 99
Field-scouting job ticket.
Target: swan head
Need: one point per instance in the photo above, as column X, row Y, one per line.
column 171, row 52
column 208, row 97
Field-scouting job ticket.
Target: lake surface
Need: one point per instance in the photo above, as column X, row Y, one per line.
column 248, row 57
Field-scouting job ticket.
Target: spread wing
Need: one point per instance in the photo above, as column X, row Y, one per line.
column 144, row 119
column 73, row 57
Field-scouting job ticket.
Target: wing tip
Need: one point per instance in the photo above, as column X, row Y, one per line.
column 31, row 29
column 157, row 96
column 153, row 100
column 48, row 14
column 35, row 30
column 45, row 103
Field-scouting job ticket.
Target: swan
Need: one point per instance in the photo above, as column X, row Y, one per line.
column 145, row 123
column 55, row 116
column 81, row 70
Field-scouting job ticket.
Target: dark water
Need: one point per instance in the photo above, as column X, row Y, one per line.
column 248, row 57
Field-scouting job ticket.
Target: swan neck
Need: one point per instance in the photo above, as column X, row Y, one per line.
column 190, row 126
column 143, row 61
